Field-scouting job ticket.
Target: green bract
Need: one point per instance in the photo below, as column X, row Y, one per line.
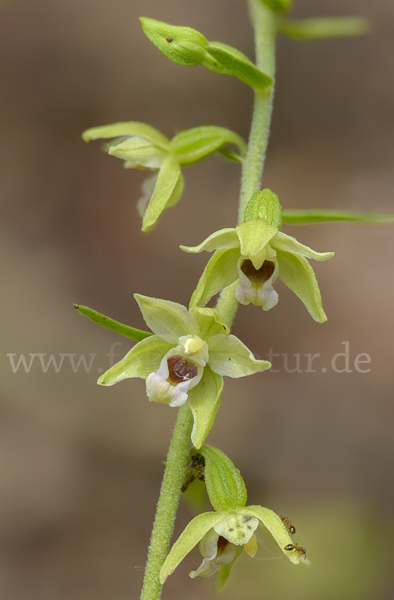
column 142, row 146
column 324, row 28
column 223, row 536
column 185, row 360
column 130, row 332
column 186, row 46
column 256, row 253
column 301, row 216
column 225, row 486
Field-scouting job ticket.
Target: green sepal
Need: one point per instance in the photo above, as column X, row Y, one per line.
column 279, row 6
column 182, row 45
column 194, row 144
column 168, row 320
column 224, row 571
column 324, row 28
column 254, row 235
column 264, row 205
column 168, row 191
column 229, row 357
column 130, row 332
column 204, row 402
column 216, row 67
column 297, row 274
column 243, row 69
column 127, row 129
column 190, row 537
column 225, row 486
column 221, row 271
column 144, row 358
column 300, row 216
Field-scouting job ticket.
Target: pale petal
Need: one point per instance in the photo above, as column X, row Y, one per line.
column 254, row 235
column 189, row 538
column 264, row 295
column 168, row 320
column 225, row 238
column 142, row 359
column 220, row 272
column 298, row 275
column 204, row 402
column 147, row 187
column 237, row 527
column 284, row 242
column 159, row 390
column 139, row 151
column 229, row 356
column 274, row 525
column 225, row 570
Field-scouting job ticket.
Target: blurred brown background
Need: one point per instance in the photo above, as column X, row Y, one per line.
column 81, row 465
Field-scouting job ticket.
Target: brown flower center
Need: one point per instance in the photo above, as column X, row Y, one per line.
column 222, row 543
column 258, row 276
column 180, row 369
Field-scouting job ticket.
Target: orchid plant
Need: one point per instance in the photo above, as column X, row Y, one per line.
column 190, row 350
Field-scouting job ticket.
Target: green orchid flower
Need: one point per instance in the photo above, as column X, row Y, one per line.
column 144, row 147
column 185, row 360
column 224, row 536
column 256, row 253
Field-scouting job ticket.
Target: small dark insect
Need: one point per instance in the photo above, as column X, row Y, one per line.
column 197, row 464
column 300, row 551
column 169, row 39
column 290, row 528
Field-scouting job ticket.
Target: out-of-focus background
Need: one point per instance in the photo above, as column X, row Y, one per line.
column 80, row 466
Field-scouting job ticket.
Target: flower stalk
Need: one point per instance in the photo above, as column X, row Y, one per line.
column 265, row 28
column 167, row 505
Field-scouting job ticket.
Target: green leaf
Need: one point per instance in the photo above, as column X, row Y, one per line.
column 245, row 71
column 143, row 359
column 190, row 537
column 297, row 274
column 225, row 486
column 204, row 402
column 300, row 216
column 220, row 272
column 127, row 129
column 194, row 144
column 324, row 27
column 168, row 190
column 182, row 45
column 264, row 205
column 279, row 5
column 130, row 332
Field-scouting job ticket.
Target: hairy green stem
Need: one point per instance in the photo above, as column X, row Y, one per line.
column 168, row 503
column 264, row 23
column 265, row 29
